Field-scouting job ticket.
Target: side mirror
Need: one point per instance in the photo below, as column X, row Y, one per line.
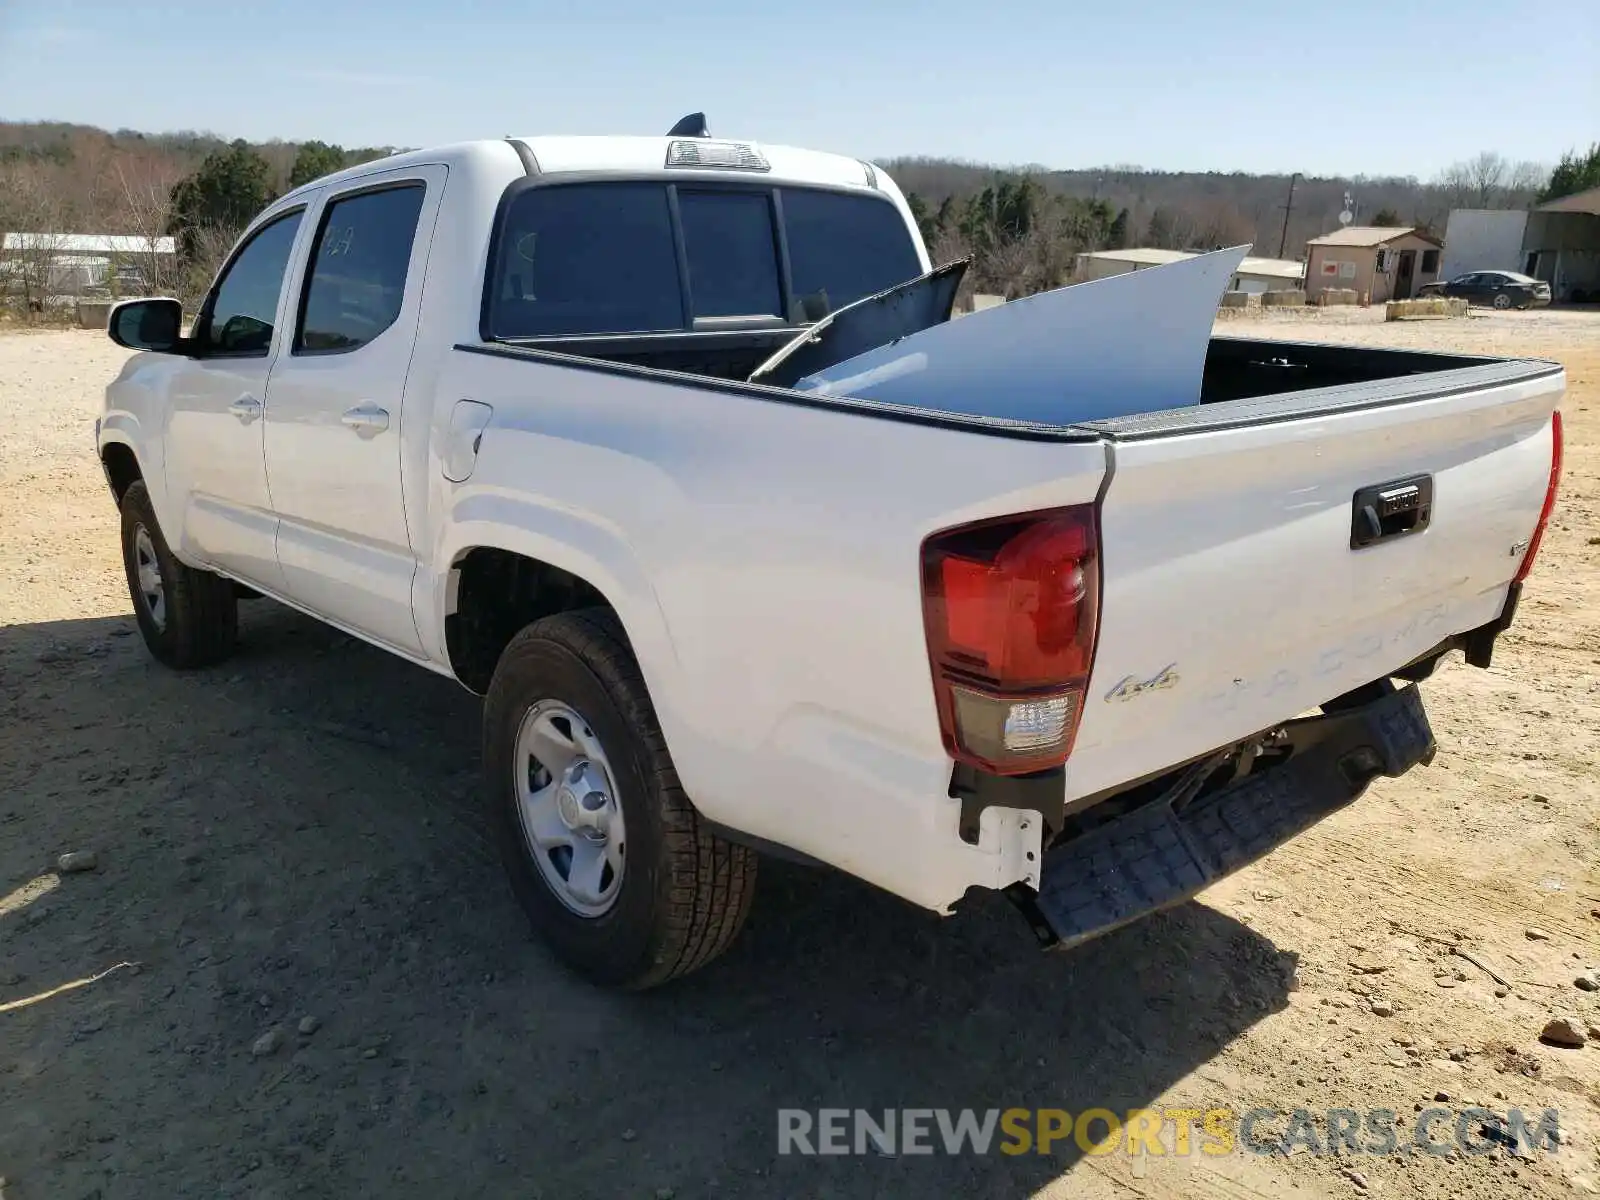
column 148, row 325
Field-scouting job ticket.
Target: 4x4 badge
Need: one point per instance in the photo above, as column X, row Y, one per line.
column 1132, row 686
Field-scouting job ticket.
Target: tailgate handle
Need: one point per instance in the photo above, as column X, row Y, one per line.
column 1390, row 510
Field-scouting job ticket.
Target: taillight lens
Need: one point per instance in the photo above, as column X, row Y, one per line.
column 1011, row 607
column 1549, row 498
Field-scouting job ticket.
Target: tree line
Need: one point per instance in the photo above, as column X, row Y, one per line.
column 58, row 179
column 1025, row 228
column 1022, row 228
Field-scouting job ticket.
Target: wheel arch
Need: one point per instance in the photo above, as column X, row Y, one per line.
column 126, row 455
column 501, row 581
column 492, row 593
column 122, row 467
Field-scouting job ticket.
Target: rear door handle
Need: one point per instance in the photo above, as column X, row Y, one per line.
column 368, row 420
column 246, row 408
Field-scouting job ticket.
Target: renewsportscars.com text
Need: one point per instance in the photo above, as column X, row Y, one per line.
column 1161, row 1131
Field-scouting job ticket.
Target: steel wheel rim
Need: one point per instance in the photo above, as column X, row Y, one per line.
column 147, row 570
column 568, row 807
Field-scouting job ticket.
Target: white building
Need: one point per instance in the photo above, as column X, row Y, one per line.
column 1483, row 239
column 1254, row 275
column 1558, row 242
column 80, row 262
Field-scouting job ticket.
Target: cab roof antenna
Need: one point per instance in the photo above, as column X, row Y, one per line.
column 694, row 125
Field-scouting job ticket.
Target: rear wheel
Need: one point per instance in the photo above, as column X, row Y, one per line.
column 612, row 864
column 188, row 617
column 1502, row 301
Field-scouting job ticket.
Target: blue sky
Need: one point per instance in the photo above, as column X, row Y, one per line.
column 1403, row 87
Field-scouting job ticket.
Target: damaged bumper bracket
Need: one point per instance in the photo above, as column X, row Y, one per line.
column 1162, row 854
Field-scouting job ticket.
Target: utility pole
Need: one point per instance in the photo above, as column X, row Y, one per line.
column 1283, row 240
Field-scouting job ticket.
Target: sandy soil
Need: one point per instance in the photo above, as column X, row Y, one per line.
column 297, row 834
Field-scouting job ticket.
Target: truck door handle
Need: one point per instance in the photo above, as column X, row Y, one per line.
column 246, row 408
column 1391, row 510
column 368, row 420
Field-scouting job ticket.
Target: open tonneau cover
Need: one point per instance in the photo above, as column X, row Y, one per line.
column 867, row 324
column 1128, row 344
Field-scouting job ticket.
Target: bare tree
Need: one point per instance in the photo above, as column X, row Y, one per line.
column 1490, row 180
column 31, row 213
column 1011, row 268
column 144, row 187
column 1172, row 228
column 1222, row 225
column 211, row 244
column 89, row 180
column 1529, row 179
column 948, row 246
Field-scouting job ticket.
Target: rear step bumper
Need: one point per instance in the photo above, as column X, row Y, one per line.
column 1160, row 855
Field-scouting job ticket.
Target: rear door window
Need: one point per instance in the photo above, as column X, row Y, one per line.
column 357, row 280
column 843, row 247
column 596, row 258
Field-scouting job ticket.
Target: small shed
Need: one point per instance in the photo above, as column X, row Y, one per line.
column 1254, row 275
column 1378, row 261
column 1102, row 264
column 1269, row 275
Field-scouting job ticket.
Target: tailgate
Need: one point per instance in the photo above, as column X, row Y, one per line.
column 1232, row 598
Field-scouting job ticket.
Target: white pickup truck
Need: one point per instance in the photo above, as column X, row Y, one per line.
column 490, row 408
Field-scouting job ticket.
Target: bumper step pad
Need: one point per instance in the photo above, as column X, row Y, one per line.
column 1155, row 857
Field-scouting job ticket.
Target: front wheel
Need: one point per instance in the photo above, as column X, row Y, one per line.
column 188, row 617
column 613, row 866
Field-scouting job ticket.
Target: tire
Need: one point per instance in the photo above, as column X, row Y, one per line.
column 1502, row 301
column 682, row 893
column 192, row 620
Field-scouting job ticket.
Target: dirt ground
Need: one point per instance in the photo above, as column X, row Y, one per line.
column 297, row 834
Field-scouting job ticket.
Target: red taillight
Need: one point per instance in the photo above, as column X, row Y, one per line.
column 1011, row 607
column 1549, row 498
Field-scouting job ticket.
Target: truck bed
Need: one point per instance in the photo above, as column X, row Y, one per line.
column 1235, row 368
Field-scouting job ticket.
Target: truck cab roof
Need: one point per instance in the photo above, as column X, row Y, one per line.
column 640, row 158
column 668, row 156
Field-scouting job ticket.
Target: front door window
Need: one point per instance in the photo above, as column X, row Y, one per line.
column 239, row 318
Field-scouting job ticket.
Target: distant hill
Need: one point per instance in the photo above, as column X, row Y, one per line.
column 88, row 170
column 1237, row 203
column 1238, row 207
column 1022, row 227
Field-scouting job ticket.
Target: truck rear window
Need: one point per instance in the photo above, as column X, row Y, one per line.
column 842, row 247
column 600, row 258
column 733, row 257
column 591, row 259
